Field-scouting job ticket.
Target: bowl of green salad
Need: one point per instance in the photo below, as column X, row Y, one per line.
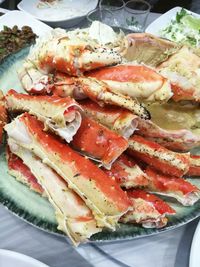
column 179, row 25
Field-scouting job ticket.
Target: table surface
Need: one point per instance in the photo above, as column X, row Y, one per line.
column 168, row 249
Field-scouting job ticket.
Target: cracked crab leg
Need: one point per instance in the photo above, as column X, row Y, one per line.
column 194, row 169
column 148, row 210
column 3, row 115
column 183, row 191
column 101, row 194
column 127, row 173
column 117, row 119
column 136, row 81
column 98, row 142
column 61, row 115
column 73, row 216
column 176, row 140
column 21, row 172
column 159, row 157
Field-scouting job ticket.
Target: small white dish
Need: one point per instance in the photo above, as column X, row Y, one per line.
column 162, row 22
column 194, row 251
column 10, row 258
column 21, row 19
column 60, row 13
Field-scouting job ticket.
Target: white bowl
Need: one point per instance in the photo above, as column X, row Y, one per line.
column 163, row 21
column 10, row 258
column 62, row 13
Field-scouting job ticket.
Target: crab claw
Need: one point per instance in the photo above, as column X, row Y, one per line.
column 148, row 210
column 98, row 142
column 70, row 54
column 127, row 173
column 97, row 91
column 182, row 190
column 159, row 157
column 60, row 115
column 136, row 81
column 102, row 195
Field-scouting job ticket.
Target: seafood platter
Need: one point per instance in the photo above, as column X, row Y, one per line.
column 100, row 134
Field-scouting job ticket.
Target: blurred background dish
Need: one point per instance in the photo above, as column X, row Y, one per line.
column 58, row 13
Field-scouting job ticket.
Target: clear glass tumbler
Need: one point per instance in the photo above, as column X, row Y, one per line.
column 135, row 15
column 116, row 7
column 103, row 15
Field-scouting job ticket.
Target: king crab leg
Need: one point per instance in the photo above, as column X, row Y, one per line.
column 159, row 157
column 60, row 115
column 182, row 190
column 101, row 194
column 127, row 173
column 73, row 216
column 98, row 142
column 117, row 119
column 148, row 210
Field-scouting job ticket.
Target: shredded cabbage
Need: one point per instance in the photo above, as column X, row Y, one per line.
column 185, row 28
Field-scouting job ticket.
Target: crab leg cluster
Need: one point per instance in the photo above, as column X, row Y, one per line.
column 85, row 140
column 73, row 216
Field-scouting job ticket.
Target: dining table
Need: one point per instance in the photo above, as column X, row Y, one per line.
column 166, row 249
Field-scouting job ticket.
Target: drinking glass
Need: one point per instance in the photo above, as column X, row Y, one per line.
column 103, row 15
column 135, row 15
column 116, row 7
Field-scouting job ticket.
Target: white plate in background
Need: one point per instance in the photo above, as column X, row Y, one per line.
column 10, row 258
column 163, row 21
column 19, row 18
column 61, row 12
column 195, row 247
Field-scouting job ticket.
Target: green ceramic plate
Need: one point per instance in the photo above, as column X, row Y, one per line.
column 36, row 210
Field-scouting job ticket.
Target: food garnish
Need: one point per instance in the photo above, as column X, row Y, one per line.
column 13, row 39
column 185, row 28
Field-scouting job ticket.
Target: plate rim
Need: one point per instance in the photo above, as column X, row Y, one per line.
column 119, row 237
